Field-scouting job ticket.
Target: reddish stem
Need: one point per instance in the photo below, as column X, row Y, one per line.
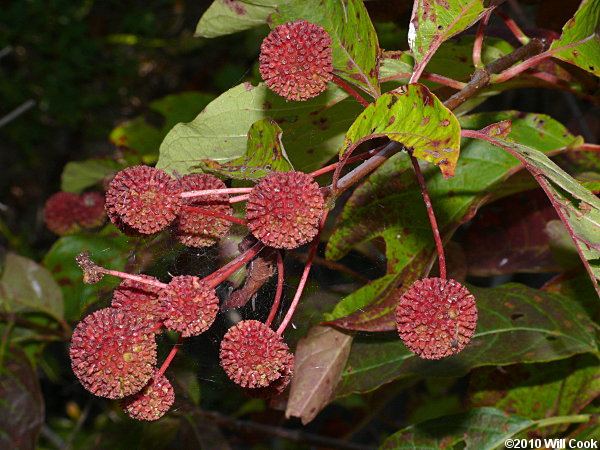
column 432, row 219
column 170, row 357
column 478, row 44
column 334, row 166
column 513, row 27
column 346, row 87
column 215, row 192
column 239, row 198
column 587, row 147
column 279, row 291
column 450, row 82
column 208, row 212
column 534, row 60
column 220, row 275
column 311, row 256
column 128, row 276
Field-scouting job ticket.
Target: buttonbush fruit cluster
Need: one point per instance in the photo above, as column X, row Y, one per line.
column 113, row 350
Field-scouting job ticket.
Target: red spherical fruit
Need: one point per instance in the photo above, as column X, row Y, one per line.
column 139, row 300
column 436, row 318
column 91, row 211
column 193, row 228
column 279, row 385
column 284, row 209
column 253, row 355
column 144, row 198
column 112, row 353
column 152, row 402
column 296, row 60
column 59, row 213
column 189, row 305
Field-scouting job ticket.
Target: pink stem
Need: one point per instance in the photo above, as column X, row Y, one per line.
column 513, row 27
column 431, row 77
column 239, row 198
column 220, row 275
column 478, row 44
column 334, row 166
column 311, row 256
column 346, row 87
column 208, row 212
column 128, row 276
column 279, row 291
column 167, row 362
column 432, row 219
column 215, row 192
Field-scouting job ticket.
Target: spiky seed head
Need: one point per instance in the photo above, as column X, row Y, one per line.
column 152, row 402
column 276, row 387
column 144, row 198
column 189, row 305
column 436, row 317
column 253, row 355
column 139, row 300
column 284, row 209
column 112, row 354
column 195, row 229
column 58, row 213
column 296, row 60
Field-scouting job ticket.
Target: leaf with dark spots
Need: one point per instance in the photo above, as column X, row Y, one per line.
column 534, row 391
column 410, row 105
column 509, row 236
column 579, row 42
column 220, row 132
column 230, row 16
column 433, row 22
column 22, row 405
column 500, row 130
column 319, row 359
column 264, row 154
column 481, row 429
column 355, row 45
column 551, row 327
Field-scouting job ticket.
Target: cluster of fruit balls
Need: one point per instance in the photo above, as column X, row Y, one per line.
column 113, row 351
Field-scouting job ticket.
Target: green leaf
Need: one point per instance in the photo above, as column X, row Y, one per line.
column 312, row 130
column 532, row 390
column 481, row 429
column 22, row 404
column 577, row 207
column 417, row 119
column 389, row 204
column 80, row 175
column 230, row 16
column 579, row 43
column 516, row 324
column 355, row 45
column 265, row 154
column 109, row 248
column 26, row 286
column 435, row 21
column 145, row 133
